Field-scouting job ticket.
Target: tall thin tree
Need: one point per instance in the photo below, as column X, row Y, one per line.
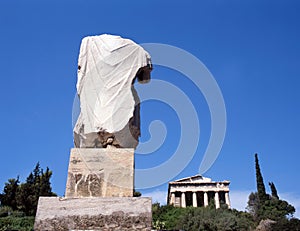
column 273, row 190
column 261, row 190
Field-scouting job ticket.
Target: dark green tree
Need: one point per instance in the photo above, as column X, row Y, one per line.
column 276, row 209
column 261, row 190
column 37, row 172
column 287, row 225
column 19, row 201
column 8, row 197
column 37, row 184
column 45, row 188
column 26, row 196
column 273, row 190
column 165, row 216
column 263, row 206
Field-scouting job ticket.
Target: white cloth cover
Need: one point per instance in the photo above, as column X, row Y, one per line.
column 107, row 66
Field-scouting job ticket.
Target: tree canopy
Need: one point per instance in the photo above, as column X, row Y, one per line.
column 167, row 217
column 24, row 197
column 264, row 206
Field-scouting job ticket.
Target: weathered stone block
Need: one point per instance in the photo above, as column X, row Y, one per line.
column 93, row 213
column 100, row 172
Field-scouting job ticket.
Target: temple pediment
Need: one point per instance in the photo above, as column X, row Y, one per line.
column 193, row 179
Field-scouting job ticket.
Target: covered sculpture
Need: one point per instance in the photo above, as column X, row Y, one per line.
column 107, row 68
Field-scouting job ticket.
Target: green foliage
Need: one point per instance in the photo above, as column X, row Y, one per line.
column 287, row 225
column 263, row 206
column 253, row 205
column 276, row 209
column 24, row 197
column 214, row 219
column 8, row 197
column 165, row 216
column 37, row 184
column 136, row 193
column 5, row 211
column 261, row 190
column 19, row 201
column 16, row 223
column 273, row 190
column 190, row 218
column 158, row 225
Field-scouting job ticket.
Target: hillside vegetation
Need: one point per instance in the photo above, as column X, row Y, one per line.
column 264, row 211
column 19, row 200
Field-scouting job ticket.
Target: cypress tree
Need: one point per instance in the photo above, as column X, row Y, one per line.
column 273, row 190
column 261, row 190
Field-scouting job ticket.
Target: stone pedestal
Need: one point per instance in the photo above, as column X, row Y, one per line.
column 98, row 195
column 114, row 213
column 100, row 172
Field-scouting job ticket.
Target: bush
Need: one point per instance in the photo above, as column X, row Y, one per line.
column 190, row 218
column 207, row 219
column 16, row 223
column 287, row 225
column 5, row 211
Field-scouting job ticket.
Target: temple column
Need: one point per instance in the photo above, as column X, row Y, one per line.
column 183, row 204
column 217, row 200
column 172, row 202
column 205, row 199
column 194, row 199
column 227, row 200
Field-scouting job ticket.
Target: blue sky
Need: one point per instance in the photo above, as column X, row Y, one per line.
column 251, row 48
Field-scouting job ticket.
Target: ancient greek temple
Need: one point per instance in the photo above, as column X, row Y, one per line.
column 198, row 191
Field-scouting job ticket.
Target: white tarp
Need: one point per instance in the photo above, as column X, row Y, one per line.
column 107, row 66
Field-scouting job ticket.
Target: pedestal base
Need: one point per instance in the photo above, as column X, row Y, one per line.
column 100, row 172
column 114, row 213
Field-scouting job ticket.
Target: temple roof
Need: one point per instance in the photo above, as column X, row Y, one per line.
column 195, row 179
